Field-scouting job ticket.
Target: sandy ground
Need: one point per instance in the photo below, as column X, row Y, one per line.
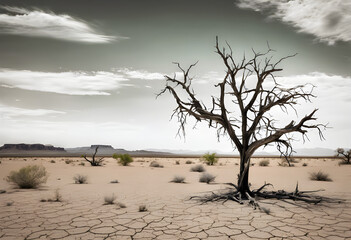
column 170, row 214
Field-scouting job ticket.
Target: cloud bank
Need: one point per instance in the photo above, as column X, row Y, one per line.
column 72, row 83
column 7, row 112
column 140, row 74
column 37, row 23
column 328, row 20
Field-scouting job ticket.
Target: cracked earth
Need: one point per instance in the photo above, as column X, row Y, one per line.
column 82, row 214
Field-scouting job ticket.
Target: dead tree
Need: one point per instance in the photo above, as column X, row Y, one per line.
column 94, row 161
column 346, row 155
column 242, row 112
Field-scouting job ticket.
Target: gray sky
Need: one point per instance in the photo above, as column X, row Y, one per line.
column 76, row 73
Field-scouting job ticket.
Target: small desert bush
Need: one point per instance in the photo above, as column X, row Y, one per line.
column 53, row 161
column 263, row 163
column 123, row 159
column 68, row 161
column 8, row 204
column 304, row 164
column 177, row 162
column 80, row 179
column 189, row 162
column 197, row 168
column 57, row 196
column 28, row 177
column 114, row 181
column 178, row 179
column 210, row 159
column 156, row 164
column 207, row 178
column 109, row 199
column 285, row 163
column 81, row 164
column 142, row 208
column 320, row 176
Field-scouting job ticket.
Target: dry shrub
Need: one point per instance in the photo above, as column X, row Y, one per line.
column 189, row 162
column 178, row 179
column 207, row 178
column 320, row 176
column 142, row 208
column 155, row 164
column 264, row 163
column 197, row 168
column 80, row 179
column 31, row 176
column 109, row 199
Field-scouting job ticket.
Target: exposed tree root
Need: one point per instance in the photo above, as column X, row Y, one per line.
column 251, row 197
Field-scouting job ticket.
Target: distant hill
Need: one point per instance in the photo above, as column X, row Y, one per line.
column 38, row 150
column 29, row 147
column 41, row 150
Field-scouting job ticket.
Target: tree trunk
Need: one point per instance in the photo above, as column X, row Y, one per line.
column 243, row 186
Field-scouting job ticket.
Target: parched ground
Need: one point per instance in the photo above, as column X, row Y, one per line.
column 170, row 214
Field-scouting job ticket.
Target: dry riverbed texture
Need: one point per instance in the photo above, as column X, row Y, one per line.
column 169, row 214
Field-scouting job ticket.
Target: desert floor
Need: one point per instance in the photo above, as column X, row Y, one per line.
column 170, row 214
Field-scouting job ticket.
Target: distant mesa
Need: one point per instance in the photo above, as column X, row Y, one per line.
column 30, row 147
column 101, row 146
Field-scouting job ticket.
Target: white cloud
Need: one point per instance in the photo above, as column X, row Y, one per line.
column 328, row 20
column 72, row 83
column 37, row 23
column 140, row 74
column 7, row 112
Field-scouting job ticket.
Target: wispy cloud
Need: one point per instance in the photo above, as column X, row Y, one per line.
column 72, row 83
column 328, row 20
column 140, row 74
column 7, row 112
column 37, row 23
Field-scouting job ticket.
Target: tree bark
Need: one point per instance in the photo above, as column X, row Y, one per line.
column 243, row 180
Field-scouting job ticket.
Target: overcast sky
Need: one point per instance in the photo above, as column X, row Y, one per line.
column 76, row 73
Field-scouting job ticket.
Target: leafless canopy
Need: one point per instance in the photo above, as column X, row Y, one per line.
column 345, row 154
column 250, row 126
column 94, row 161
column 246, row 95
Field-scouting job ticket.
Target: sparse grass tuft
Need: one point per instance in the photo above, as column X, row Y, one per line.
column 189, row 162
column 264, row 163
column 81, row 164
column 31, row 176
column 142, row 208
column 109, row 199
column 123, row 159
column 68, row 161
column 178, row 179
column 156, row 164
column 210, row 159
column 207, row 178
column 57, row 196
column 197, row 168
column 80, row 179
column 320, row 176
